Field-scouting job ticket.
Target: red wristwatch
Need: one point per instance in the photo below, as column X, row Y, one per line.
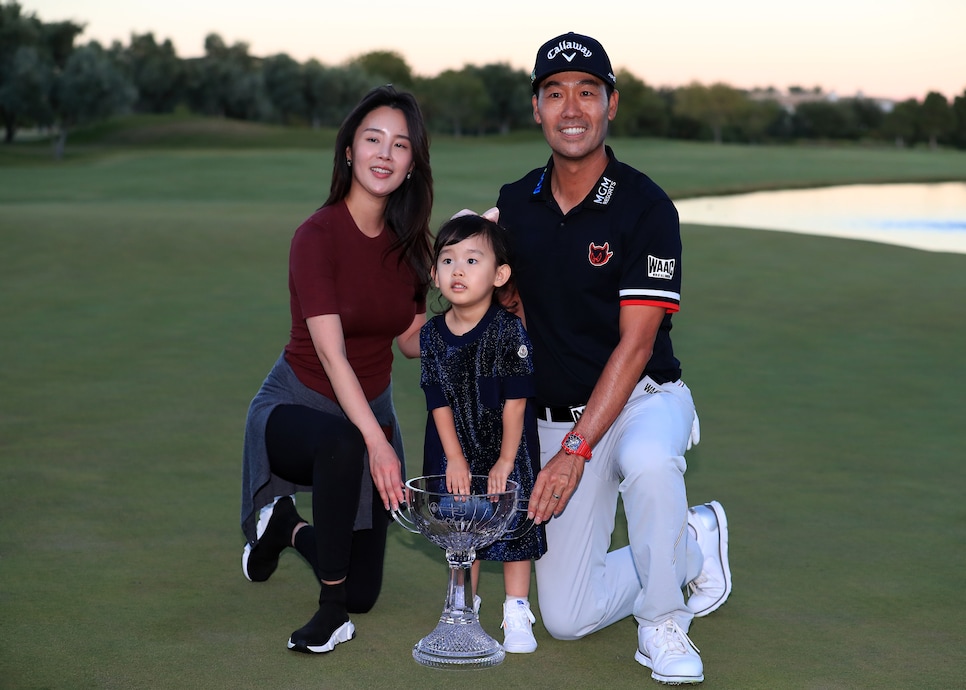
column 575, row 444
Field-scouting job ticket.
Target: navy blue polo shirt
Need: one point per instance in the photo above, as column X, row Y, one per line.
column 621, row 246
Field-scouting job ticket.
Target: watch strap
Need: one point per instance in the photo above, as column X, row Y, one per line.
column 574, row 443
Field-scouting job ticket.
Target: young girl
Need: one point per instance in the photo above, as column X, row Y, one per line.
column 477, row 376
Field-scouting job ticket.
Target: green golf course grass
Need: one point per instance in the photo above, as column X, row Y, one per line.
column 143, row 298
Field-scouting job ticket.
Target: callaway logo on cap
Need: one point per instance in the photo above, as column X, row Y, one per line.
column 572, row 53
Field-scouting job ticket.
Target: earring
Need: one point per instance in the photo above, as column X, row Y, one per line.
column 348, row 161
column 409, row 175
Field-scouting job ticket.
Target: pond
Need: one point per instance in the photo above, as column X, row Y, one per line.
column 923, row 216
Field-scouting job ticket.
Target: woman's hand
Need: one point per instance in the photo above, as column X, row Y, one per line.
column 384, row 465
column 408, row 341
column 386, row 471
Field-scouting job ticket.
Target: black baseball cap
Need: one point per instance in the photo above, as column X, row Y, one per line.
column 572, row 53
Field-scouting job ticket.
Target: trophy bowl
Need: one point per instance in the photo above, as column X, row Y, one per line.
column 460, row 524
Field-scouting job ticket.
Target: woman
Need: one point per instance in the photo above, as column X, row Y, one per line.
column 323, row 420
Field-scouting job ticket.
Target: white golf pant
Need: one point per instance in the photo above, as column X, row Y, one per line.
column 581, row 586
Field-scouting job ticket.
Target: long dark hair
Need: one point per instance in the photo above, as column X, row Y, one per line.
column 409, row 207
column 457, row 229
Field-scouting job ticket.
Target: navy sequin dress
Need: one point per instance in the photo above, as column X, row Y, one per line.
column 474, row 374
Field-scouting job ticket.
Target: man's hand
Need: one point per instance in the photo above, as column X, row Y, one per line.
column 555, row 485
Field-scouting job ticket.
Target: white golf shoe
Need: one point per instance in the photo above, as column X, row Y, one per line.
column 669, row 653
column 710, row 589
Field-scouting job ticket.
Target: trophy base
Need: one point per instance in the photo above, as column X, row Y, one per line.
column 458, row 643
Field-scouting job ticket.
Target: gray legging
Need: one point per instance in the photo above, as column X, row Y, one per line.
column 309, row 447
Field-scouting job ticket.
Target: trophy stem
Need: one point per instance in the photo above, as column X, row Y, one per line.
column 459, row 640
column 460, row 581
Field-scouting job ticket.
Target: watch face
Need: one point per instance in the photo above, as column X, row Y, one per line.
column 572, row 443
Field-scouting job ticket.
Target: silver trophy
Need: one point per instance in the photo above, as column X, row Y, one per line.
column 460, row 524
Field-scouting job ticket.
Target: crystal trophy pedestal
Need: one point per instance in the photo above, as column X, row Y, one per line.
column 459, row 524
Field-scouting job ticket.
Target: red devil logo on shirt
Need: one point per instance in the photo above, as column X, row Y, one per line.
column 599, row 254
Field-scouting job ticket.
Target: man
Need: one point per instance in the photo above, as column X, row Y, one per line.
column 597, row 254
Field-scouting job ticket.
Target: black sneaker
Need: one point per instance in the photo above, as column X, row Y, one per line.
column 259, row 560
column 318, row 637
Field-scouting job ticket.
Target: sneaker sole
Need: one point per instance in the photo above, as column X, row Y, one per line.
column 520, row 649
column 719, row 515
column 643, row 660
column 343, row 633
column 246, row 555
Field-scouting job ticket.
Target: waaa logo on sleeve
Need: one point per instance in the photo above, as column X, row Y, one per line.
column 660, row 268
column 599, row 254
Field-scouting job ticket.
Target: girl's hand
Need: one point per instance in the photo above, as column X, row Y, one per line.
column 496, row 481
column 457, row 476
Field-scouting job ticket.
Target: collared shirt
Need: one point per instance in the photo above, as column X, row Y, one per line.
column 620, row 246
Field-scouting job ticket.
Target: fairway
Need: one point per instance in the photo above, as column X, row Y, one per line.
column 143, row 298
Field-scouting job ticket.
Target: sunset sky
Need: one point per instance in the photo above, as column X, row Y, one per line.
column 881, row 48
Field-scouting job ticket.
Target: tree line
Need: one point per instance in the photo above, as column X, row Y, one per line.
column 46, row 81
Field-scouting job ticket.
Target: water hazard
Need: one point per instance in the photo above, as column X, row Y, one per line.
column 923, row 216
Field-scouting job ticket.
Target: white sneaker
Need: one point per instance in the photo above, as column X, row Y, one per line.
column 710, row 589
column 518, row 627
column 669, row 653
